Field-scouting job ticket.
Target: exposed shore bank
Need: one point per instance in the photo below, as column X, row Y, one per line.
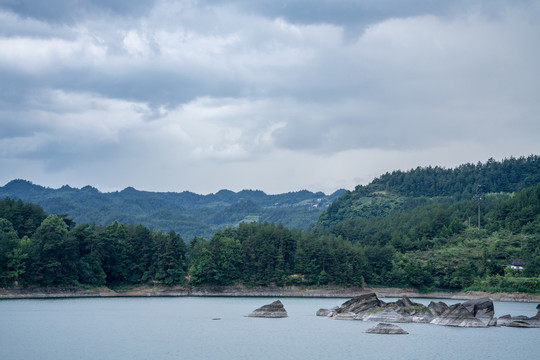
column 269, row 291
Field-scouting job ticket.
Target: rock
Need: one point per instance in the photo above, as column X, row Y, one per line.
column 359, row 304
column 481, row 308
column 387, row 314
column 383, row 328
column 417, row 312
column 368, row 307
column 437, row 308
column 405, row 302
column 345, row 316
column 458, row 315
column 519, row 321
column 326, row 312
column 472, row 313
column 273, row 310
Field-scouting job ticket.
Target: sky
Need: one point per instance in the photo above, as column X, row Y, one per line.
column 271, row 95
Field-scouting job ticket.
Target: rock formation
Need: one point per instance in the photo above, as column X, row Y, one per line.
column 360, row 304
column 458, row 315
column 472, row 313
column 368, row 307
column 520, row 321
column 481, row 308
column 437, row 308
column 273, row 310
column 383, row 328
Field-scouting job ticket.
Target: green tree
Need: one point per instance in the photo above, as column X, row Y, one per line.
column 56, row 254
column 169, row 263
column 16, row 266
column 8, row 242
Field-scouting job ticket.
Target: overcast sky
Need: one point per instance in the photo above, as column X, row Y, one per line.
column 274, row 95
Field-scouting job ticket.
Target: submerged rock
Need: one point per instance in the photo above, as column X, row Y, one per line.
column 273, row 310
column 345, row 316
column 326, row 312
column 383, row 328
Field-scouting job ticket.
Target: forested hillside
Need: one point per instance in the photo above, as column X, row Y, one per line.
column 375, row 235
column 189, row 214
column 401, row 190
column 420, row 227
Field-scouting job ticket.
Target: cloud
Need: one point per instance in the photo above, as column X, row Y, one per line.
column 213, row 94
column 70, row 11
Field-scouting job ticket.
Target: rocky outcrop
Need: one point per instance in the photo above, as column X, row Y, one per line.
column 458, row 315
column 482, row 309
column 472, row 313
column 368, row 307
column 520, row 321
column 437, row 308
column 360, row 304
column 383, row 328
column 273, row 310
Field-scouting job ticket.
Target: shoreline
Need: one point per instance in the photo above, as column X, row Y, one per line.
column 242, row 291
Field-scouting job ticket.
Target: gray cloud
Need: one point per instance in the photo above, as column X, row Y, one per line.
column 69, row 11
column 262, row 93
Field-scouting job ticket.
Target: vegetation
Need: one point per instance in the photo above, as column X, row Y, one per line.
column 58, row 254
column 382, row 234
column 189, row 214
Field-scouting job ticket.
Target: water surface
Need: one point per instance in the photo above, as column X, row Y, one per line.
column 186, row 328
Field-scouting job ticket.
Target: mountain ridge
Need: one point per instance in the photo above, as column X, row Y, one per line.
column 186, row 212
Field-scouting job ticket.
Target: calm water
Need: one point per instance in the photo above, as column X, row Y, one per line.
column 183, row 328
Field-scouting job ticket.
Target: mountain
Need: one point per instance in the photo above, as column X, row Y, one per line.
column 403, row 190
column 188, row 213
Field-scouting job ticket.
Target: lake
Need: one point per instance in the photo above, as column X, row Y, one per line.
column 187, row 328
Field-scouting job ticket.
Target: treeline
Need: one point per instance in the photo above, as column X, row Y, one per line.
column 56, row 252
column 403, row 190
column 508, row 175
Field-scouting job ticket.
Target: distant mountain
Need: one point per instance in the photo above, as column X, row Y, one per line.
column 187, row 213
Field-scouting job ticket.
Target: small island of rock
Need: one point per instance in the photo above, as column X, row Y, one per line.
column 273, row 310
column 473, row 313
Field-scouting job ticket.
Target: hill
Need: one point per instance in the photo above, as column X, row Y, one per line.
column 187, row 213
column 401, row 190
column 446, row 228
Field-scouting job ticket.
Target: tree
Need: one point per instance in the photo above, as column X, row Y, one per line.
column 168, row 264
column 91, row 252
column 8, row 242
column 16, row 265
column 55, row 253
